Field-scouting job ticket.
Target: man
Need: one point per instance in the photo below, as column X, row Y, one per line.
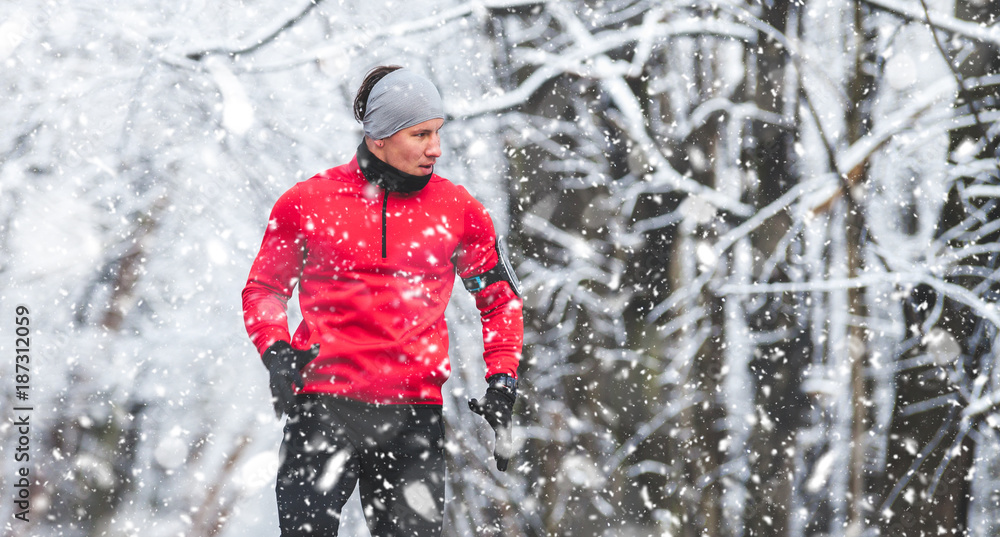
column 374, row 246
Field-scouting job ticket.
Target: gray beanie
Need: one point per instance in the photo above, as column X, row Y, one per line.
column 399, row 100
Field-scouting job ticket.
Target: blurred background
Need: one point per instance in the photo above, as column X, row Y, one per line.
column 758, row 241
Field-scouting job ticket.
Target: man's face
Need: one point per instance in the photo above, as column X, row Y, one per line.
column 413, row 150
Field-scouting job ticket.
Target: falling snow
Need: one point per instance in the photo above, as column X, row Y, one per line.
column 758, row 242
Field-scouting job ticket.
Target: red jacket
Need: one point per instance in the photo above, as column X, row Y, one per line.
column 379, row 321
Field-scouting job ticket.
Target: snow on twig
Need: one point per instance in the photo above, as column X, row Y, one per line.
column 259, row 42
column 914, row 12
column 670, row 410
column 986, row 309
column 730, row 238
column 578, row 60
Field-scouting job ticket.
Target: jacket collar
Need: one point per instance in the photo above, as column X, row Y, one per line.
column 385, row 176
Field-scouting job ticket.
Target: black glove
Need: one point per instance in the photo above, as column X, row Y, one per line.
column 497, row 406
column 285, row 364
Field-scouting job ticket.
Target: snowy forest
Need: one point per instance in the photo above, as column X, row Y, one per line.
column 758, row 241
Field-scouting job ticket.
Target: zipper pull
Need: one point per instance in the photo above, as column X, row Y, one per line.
column 385, row 204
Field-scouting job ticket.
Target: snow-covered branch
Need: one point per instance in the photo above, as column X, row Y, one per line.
column 912, row 11
column 260, row 41
column 986, row 309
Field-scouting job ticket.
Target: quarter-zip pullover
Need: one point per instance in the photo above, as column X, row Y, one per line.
column 373, row 293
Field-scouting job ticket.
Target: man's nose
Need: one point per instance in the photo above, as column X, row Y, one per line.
column 434, row 149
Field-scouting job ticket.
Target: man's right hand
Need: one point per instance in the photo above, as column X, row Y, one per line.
column 285, row 364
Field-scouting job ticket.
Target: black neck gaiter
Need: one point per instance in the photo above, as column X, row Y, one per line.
column 385, row 176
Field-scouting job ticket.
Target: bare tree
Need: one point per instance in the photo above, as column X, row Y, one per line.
column 737, row 209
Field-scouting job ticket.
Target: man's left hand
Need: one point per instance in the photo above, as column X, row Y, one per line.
column 497, row 406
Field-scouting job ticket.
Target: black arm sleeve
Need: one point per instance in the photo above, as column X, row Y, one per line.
column 501, row 272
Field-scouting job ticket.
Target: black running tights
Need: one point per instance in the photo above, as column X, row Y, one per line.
column 394, row 453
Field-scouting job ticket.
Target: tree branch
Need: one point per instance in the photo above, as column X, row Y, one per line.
column 962, row 90
column 983, row 34
column 198, row 56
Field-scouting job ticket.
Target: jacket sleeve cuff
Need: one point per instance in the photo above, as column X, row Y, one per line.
column 268, row 336
column 506, row 365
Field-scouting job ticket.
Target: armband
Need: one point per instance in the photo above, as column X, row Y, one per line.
column 501, row 272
